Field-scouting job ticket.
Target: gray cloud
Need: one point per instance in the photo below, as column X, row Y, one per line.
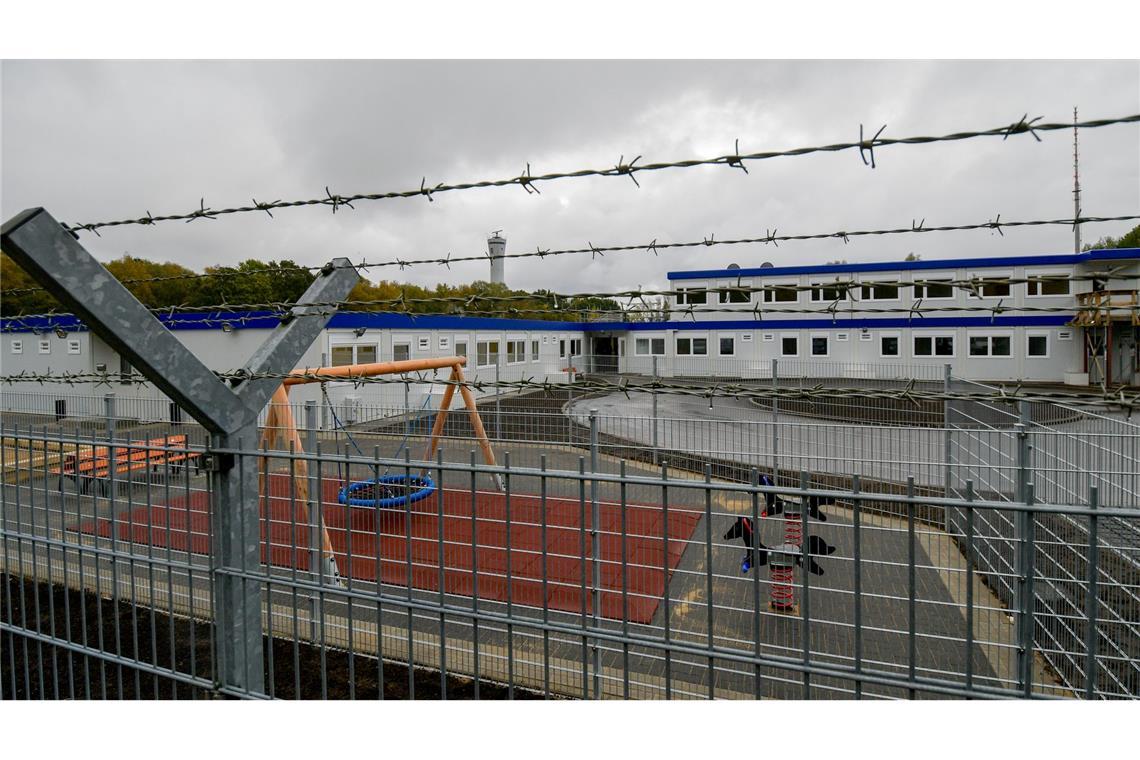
column 100, row 140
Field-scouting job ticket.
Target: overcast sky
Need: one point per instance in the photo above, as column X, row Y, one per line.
column 95, row 141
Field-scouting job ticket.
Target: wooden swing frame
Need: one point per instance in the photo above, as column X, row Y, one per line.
column 280, row 429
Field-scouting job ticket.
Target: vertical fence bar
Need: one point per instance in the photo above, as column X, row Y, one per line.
column 1091, row 601
column 656, row 424
column 857, row 586
column 595, row 553
column 911, row 611
column 775, row 422
column 1022, row 548
column 312, row 508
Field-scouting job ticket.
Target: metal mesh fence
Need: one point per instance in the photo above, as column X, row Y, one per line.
column 604, row 567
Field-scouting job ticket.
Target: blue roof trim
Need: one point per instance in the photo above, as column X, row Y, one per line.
column 894, row 266
column 1050, row 320
column 386, row 321
column 265, row 320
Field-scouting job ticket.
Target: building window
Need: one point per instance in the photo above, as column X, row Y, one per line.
column 17, row 346
column 575, row 346
column 366, row 354
column 880, row 292
column 990, row 288
column 692, row 346
column 516, row 351
column 692, row 296
column 562, row 348
column 1047, row 285
column 727, row 346
column 827, row 293
column 934, row 345
column 341, row 356
column 789, row 346
column 461, row 348
column 786, row 293
column 534, row 350
column 649, row 346
column 819, row 345
column 45, row 346
column 401, row 351
column 125, row 371
column 989, row 345
column 1037, row 346
column 444, row 343
column 487, row 353
column 930, row 290
column 423, row 343
column 735, row 295
column 888, row 345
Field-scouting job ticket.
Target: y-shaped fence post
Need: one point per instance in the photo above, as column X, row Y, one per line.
column 56, row 260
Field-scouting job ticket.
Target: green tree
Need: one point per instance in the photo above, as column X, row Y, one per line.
column 1130, row 239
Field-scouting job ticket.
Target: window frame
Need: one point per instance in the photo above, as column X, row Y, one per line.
column 789, row 336
column 812, row 338
column 480, row 352
column 898, row 345
column 1030, row 282
column 513, row 346
column 925, row 296
column 934, row 336
column 1037, row 334
column 819, row 288
column 772, row 288
column 720, row 345
column 863, row 290
column 986, row 278
column 726, row 293
column 687, row 296
column 989, row 336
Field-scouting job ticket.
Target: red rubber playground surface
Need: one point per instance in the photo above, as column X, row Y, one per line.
column 379, row 542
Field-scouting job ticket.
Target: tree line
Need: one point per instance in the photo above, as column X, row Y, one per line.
column 259, row 282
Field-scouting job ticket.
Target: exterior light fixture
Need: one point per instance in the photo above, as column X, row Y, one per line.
column 60, row 332
column 227, row 327
column 358, row 332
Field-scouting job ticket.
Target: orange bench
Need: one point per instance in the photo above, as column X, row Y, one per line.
column 95, row 463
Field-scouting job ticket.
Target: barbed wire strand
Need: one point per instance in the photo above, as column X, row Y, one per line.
column 527, row 180
column 1116, row 398
column 652, row 247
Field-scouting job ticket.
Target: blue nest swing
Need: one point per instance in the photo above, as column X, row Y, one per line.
column 387, row 491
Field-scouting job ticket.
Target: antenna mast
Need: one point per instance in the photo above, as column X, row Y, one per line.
column 1076, row 189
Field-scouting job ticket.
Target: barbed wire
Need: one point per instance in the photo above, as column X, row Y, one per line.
column 910, row 390
column 770, row 237
column 527, row 180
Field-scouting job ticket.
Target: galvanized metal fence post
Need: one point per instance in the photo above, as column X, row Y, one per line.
column 109, row 414
column 312, row 510
column 947, row 379
column 595, row 551
column 1023, row 548
column 55, row 259
column 775, row 422
column 498, row 394
column 656, row 452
